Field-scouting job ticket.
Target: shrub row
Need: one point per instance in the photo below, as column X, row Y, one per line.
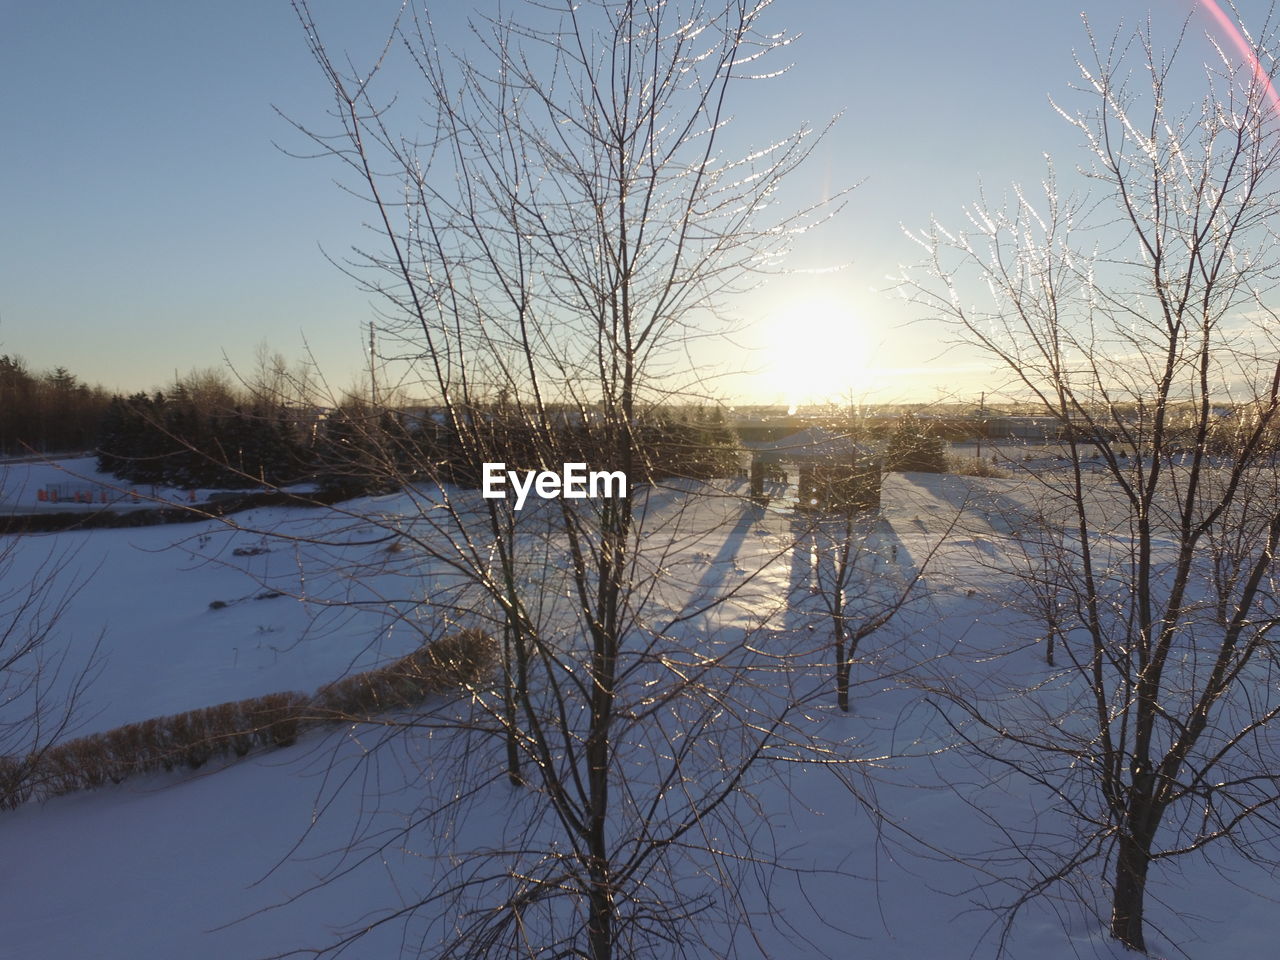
column 193, row 738
column 450, row 662
column 219, row 505
column 188, row 739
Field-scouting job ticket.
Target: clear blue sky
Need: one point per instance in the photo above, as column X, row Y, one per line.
column 149, row 224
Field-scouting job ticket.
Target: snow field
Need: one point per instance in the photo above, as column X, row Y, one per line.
column 160, row 865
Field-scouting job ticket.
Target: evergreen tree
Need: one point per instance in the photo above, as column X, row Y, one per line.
column 912, row 449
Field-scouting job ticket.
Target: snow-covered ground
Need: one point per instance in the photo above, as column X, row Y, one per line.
column 76, row 485
column 187, row 865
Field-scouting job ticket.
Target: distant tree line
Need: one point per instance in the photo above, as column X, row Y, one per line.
column 361, row 450
column 46, row 412
column 203, row 430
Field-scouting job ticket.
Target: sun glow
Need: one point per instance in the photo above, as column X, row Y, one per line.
column 816, row 351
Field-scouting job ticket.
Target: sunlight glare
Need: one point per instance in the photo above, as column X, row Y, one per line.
column 817, row 351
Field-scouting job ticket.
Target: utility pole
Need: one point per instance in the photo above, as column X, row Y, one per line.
column 373, row 382
column 982, row 421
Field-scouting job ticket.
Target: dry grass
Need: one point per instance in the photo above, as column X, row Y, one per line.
column 234, row 729
column 976, row 467
column 452, row 662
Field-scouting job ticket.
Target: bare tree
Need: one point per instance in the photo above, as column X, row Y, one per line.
column 840, row 553
column 1143, row 321
column 862, row 580
column 1044, row 561
column 551, row 240
column 42, row 678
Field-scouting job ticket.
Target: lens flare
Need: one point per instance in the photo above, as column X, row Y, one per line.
column 1246, row 50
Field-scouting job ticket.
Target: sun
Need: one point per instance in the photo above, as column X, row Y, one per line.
column 816, row 351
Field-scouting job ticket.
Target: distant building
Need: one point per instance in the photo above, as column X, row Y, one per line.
column 1047, row 429
column 1030, row 429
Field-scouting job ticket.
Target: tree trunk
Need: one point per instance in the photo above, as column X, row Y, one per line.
column 1130, row 892
column 600, row 903
column 843, row 667
column 615, row 524
column 512, row 687
column 600, row 921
